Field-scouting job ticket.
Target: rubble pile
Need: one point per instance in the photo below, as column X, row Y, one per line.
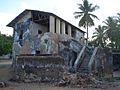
column 39, row 68
column 79, row 80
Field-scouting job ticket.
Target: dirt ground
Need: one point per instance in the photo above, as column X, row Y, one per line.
column 5, row 70
column 6, row 73
column 42, row 86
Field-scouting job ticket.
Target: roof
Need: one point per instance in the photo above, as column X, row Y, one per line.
column 16, row 19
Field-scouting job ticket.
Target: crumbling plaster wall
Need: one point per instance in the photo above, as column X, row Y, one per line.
column 79, row 37
column 25, row 35
column 35, row 27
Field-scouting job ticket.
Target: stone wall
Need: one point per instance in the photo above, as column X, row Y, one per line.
column 40, row 68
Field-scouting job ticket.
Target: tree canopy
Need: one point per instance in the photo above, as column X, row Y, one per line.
column 5, row 44
column 109, row 34
column 99, row 36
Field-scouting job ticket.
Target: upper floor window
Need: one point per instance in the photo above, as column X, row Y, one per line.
column 73, row 33
column 21, row 34
column 66, row 29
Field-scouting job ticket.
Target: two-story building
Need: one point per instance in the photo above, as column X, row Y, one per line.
column 31, row 23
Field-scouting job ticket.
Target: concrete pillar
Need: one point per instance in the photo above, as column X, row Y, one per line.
column 69, row 30
column 63, row 27
column 52, row 24
column 58, row 26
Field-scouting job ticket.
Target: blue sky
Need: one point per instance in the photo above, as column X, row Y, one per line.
column 9, row 9
column 8, row 5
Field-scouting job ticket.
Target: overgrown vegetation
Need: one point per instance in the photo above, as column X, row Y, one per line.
column 108, row 35
column 5, row 44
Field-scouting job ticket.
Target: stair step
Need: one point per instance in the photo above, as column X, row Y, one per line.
column 83, row 70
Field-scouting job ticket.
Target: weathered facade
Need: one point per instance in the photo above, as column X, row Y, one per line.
column 30, row 24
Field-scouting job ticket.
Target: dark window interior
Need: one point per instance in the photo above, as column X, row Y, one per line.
column 60, row 27
column 73, row 33
column 37, row 52
column 55, row 25
column 21, row 37
column 66, row 29
column 116, row 62
column 39, row 32
column 116, row 59
column 21, row 34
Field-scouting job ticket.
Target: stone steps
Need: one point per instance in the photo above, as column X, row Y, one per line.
column 84, row 65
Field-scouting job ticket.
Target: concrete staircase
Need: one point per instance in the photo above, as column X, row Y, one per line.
column 84, row 66
column 85, row 59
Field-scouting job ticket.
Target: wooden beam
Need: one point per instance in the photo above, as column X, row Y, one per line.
column 41, row 19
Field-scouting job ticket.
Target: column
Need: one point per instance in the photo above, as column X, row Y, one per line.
column 58, row 26
column 69, row 30
column 63, row 27
column 52, row 24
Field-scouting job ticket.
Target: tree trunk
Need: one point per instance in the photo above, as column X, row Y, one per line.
column 87, row 34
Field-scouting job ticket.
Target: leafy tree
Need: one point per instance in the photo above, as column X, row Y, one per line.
column 5, row 44
column 99, row 36
column 85, row 14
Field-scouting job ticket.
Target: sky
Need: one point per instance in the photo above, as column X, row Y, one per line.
column 9, row 9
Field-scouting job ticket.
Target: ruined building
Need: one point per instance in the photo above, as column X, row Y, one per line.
column 45, row 43
column 30, row 24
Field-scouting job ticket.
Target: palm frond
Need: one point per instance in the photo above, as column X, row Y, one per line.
column 78, row 16
column 78, row 12
column 86, row 4
column 90, row 21
column 82, row 22
column 94, row 16
column 82, row 8
column 94, row 8
column 90, row 5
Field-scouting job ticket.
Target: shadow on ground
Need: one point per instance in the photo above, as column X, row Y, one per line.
column 5, row 70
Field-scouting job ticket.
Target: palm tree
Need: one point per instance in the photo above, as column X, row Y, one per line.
column 111, row 25
column 113, row 31
column 85, row 15
column 99, row 36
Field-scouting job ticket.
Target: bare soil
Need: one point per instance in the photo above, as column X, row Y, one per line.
column 43, row 86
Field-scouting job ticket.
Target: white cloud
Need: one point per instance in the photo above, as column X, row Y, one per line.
column 24, row 5
column 5, row 18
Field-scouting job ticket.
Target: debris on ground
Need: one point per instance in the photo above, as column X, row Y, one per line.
column 79, row 80
column 3, row 84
